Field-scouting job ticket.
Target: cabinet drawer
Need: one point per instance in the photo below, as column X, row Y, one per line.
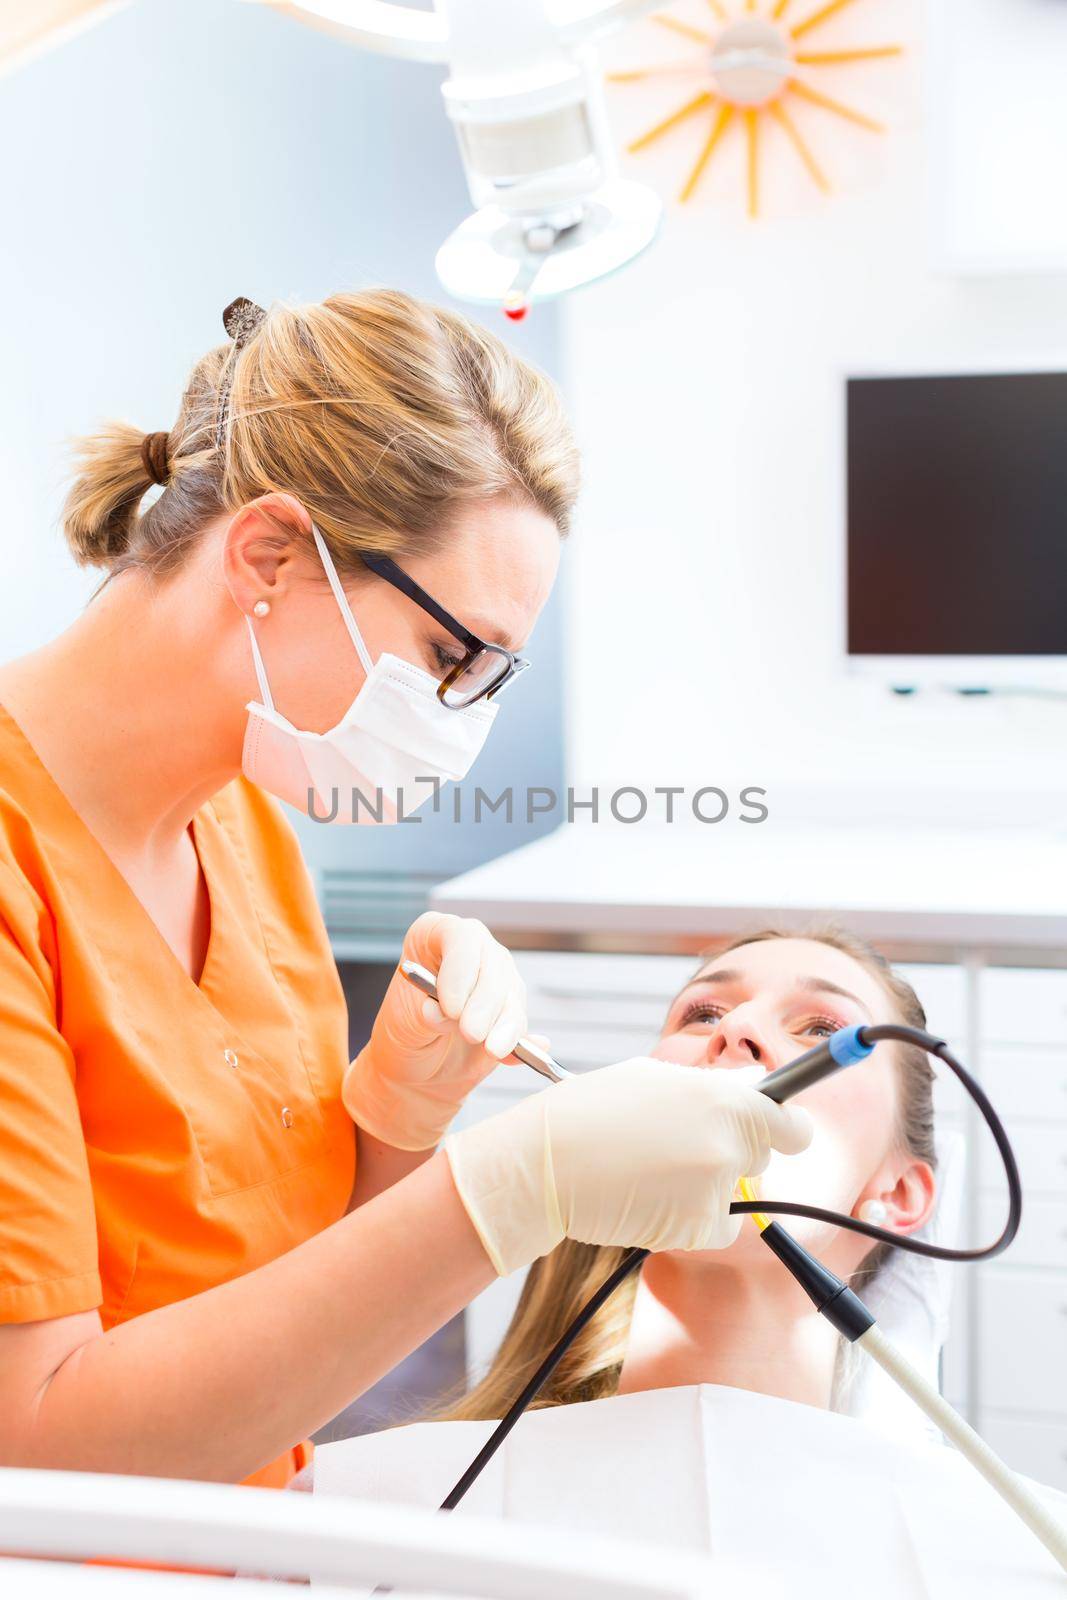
column 1023, row 1321
column 597, row 1009
column 1023, row 1006
column 1040, row 1151
column 595, row 1045
column 1027, row 1082
column 943, row 993
column 1036, row 1448
column 567, row 980
column 1042, row 1237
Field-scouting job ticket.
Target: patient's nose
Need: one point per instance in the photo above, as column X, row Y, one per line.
column 736, row 1043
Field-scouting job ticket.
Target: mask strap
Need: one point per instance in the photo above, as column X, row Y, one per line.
column 346, row 612
column 342, row 601
column 261, row 671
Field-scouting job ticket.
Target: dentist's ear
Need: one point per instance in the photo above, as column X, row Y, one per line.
column 261, row 548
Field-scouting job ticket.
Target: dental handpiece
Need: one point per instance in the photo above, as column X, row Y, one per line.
column 530, row 1054
column 842, row 1049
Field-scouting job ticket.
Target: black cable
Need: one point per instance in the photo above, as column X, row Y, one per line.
column 628, row 1264
column 938, row 1252
column 869, row 1035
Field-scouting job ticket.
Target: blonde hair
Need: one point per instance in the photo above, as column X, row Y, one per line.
column 558, row 1285
column 382, row 414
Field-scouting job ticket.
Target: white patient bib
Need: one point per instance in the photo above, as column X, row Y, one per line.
column 798, row 1494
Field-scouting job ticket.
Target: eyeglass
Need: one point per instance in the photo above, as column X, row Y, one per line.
column 485, row 668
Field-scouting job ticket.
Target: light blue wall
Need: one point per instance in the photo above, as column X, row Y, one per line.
column 181, row 153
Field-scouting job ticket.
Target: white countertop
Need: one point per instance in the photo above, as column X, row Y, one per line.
column 913, row 889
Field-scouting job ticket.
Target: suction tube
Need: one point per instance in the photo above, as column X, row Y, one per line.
column 1011, row 1488
column 843, row 1049
column 846, row 1312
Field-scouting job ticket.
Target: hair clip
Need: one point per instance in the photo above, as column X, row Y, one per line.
column 241, row 319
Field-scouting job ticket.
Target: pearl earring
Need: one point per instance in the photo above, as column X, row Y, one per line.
column 875, row 1211
column 261, row 608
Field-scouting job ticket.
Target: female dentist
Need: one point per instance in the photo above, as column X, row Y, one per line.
column 360, row 511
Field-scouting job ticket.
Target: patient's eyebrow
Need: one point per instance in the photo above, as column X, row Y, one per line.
column 720, row 975
column 728, row 975
column 824, row 986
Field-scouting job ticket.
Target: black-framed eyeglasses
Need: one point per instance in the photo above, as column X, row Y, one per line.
column 485, row 668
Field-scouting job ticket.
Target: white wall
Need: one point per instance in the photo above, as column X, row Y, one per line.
column 706, row 621
column 1001, row 121
column 179, row 154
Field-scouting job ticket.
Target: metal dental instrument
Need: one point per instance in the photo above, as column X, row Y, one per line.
column 531, row 1055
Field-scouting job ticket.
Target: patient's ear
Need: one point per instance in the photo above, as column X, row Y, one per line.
column 910, row 1200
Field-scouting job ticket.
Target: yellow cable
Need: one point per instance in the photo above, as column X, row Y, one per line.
column 747, row 1191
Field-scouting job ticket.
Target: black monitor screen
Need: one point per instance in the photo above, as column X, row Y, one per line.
column 957, row 515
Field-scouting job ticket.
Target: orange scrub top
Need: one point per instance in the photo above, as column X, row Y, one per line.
column 159, row 1136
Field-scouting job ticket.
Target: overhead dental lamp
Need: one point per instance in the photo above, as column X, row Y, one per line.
column 525, row 97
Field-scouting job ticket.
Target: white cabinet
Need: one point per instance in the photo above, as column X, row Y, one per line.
column 1006, row 1361
column 1041, row 1151
column 1023, row 1006
column 1021, row 1297
column 943, row 992
column 1042, row 1237
column 1036, row 1447
column 1027, row 1082
column 600, row 1008
column 1023, row 1318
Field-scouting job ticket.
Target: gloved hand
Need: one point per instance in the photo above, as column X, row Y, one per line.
column 641, row 1153
column 424, row 1056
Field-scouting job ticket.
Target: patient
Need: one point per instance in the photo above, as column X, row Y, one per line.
column 735, row 1316
column 713, row 1387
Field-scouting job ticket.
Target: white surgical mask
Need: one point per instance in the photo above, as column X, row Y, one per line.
column 390, row 751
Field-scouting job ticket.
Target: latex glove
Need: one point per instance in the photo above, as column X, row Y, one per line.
column 424, row 1057
column 641, row 1153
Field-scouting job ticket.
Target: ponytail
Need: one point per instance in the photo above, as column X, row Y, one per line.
column 110, row 483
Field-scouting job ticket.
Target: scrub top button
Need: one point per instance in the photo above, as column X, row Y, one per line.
column 287, row 1117
column 230, row 1057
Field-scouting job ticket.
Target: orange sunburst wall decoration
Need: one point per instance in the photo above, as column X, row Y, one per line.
column 754, row 58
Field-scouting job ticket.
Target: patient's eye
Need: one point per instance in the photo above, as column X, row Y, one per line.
column 701, row 1011
column 821, row 1027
